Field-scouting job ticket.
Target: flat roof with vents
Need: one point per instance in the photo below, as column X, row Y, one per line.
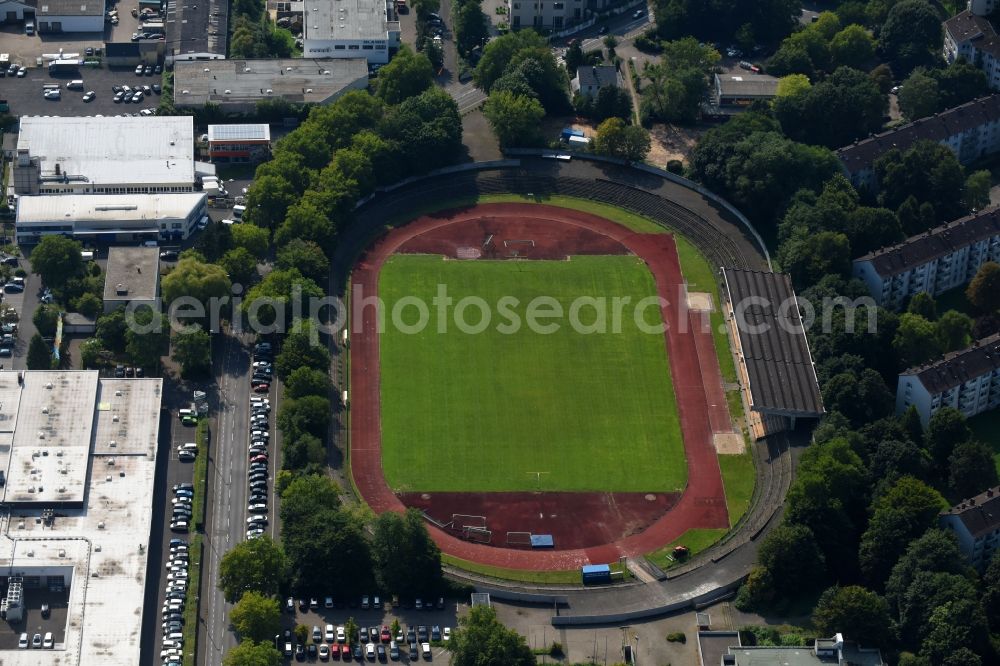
column 344, row 19
column 100, row 543
column 132, row 274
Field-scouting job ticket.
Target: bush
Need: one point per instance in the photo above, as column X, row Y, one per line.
column 677, row 637
column 676, row 166
column 556, row 650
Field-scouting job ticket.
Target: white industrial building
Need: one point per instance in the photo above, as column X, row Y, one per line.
column 967, row 380
column 349, row 29
column 970, row 35
column 79, row 456
column 70, row 16
column 109, row 218
column 77, row 155
column 14, row 11
column 943, row 258
column 971, row 131
column 238, row 85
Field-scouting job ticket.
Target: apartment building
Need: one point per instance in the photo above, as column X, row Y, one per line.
column 971, row 35
column 975, row 522
column 971, row 131
column 967, row 380
column 552, row 14
column 943, row 258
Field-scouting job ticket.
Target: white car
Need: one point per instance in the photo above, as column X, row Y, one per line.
column 177, row 575
column 341, row 634
column 52, row 94
column 22, row 642
column 446, row 634
column 328, row 633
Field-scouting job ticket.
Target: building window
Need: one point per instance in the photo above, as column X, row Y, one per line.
column 558, row 5
column 367, row 47
column 353, row 47
column 339, row 47
column 557, row 21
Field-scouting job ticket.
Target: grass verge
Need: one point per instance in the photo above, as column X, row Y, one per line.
column 200, row 476
column 738, row 477
column 571, row 577
column 696, row 540
column 196, row 548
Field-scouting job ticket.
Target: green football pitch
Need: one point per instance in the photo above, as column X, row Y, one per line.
column 495, row 411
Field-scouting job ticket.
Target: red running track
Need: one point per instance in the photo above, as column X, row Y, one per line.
column 703, row 503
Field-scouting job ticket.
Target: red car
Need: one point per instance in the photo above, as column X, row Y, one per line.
column 261, row 388
column 384, row 635
column 345, row 651
column 259, row 458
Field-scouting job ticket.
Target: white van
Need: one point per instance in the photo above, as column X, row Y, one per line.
column 76, row 84
column 238, row 211
column 188, row 446
column 181, row 413
column 87, row 255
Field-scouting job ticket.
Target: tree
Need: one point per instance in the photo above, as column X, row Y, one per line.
column 406, row 75
column 301, row 349
column 793, row 85
column 911, row 35
column 240, row 265
column 111, row 329
column 901, row 514
column 793, row 560
column 309, row 414
column 328, row 552
column 255, row 240
column 306, row 256
column 307, row 381
column 927, row 171
column 256, row 616
column 514, row 119
column 970, row 469
column 470, row 25
column 856, row 612
column 499, row 53
column 196, row 280
column 991, row 589
column 808, row 257
column 945, row 431
column 275, row 298
column 193, row 351
column 984, row 290
column 919, row 96
column 306, row 495
column 147, row 338
column 934, row 551
column 268, row 199
column 248, row 653
column 45, row 319
column 616, row 139
column 39, row 354
column 953, row 331
column 849, row 95
column 916, row 340
column 256, row 565
column 425, row 8
column 92, row 353
column 481, row 639
column 960, row 82
column 89, row 305
column 977, row 190
column 407, row 561
column 574, row 57
column 923, row 304
column 57, row 259
column 852, row 47
column 308, row 221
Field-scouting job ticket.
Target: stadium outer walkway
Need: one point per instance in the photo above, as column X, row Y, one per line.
column 716, row 572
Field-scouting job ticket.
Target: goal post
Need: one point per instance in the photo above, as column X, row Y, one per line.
column 463, row 520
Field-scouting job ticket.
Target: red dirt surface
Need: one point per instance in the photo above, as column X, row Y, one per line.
column 703, row 503
column 575, row 520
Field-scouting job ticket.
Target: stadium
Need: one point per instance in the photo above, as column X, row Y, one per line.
column 548, row 373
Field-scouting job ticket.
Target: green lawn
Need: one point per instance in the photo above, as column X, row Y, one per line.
column 696, row 539
column 487, row 411
column 738, row 477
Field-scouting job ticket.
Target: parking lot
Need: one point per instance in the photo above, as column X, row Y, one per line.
column 407, row 617
column 25, row 94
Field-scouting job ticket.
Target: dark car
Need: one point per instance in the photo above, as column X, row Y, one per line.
column 182, row 486
column 119, row 371
column 300, row 653
column 303, row 605
column 311, row 649
column 357, row 652
column 414, row 652
column 380, row 650
column 46, row 611
column 168, row 255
